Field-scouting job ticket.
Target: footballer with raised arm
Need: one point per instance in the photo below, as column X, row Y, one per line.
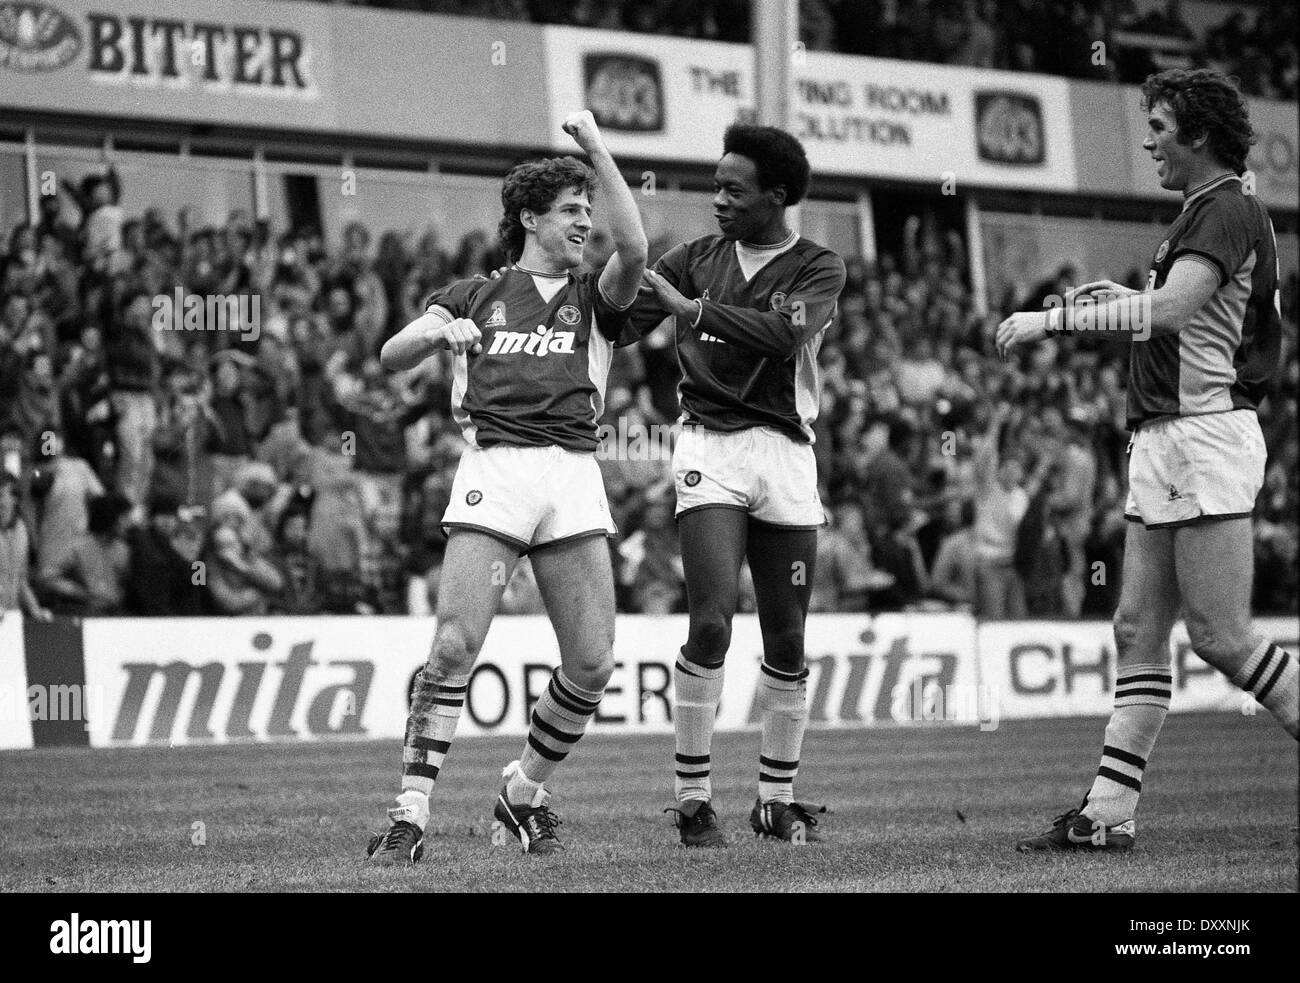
column 532, row 352
column 751, row 306
column 1204, row 355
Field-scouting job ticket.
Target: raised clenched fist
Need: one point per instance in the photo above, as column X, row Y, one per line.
column 581, row 125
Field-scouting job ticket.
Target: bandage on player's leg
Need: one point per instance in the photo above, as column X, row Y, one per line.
column 713, row 547
column 576, row 581
column 782, row 564
column 1215, row 562
column 1148, row 606
column 475, row 571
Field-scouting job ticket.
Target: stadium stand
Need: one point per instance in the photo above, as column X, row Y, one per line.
column 219, row 452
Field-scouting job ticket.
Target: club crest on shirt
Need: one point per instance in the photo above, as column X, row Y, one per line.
column 568, row 314
column 778, row 300
column 1162, row 251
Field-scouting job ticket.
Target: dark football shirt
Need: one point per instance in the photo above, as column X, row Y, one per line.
column 751, row 361
column 1224, row 357
column 540, row 379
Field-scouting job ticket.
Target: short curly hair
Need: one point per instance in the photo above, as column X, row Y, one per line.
column 779, row 158
column 535, row 184
column 1205, row 102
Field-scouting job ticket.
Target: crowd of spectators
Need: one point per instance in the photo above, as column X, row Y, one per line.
column 271, row 466
column 1255, row 42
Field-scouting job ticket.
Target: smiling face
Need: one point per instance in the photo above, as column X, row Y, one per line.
column 742, row 209
column 1174, row 160
column 555, row 239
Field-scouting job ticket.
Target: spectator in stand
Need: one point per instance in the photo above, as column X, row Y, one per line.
column 85, row 393
column 238, row 580
column 371, row 406
column 59, row 284
column 185, row 427
column 652, row 561
column 1041, row 560
column 102, row 219
column 384, row 561
column 71, row 485
column 133, row 368
column 356, row 268
column 897, row 553
column 15, row 551
column 1000, row 504
column 231, row 440
column 160, row 582
column 24, row 340
column 300, row 570
column 36, row 403
column 88, row 578
column 251, row 505
column 1070, row 505
column 844, row 571
column 886, row 480
column 55, row 223
column 953, row 577
column 20, row 269
column 337, row 531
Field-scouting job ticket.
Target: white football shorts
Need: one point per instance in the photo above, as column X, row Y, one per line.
column 759, row 470
column 1187, row 469
column 530, row 497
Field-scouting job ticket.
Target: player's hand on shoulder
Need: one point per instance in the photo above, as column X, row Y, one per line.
column 668, row 295
column 581, row 125
column 1099, row 290
column 460, row 336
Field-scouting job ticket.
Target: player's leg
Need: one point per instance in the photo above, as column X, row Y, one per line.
column 570, row 559
column 576, row 581
column 474, row 574
column 713, row 547
column 781, row 561
column 1148, row 607
column 1215, row 563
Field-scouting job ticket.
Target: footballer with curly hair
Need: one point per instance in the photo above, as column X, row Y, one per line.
column 751, row 306
column 532, row 352
column 1205, row 355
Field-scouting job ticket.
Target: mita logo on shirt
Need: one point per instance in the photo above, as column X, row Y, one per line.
column 540, row 342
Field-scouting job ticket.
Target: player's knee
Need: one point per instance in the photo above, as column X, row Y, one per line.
column 591, row 671
column 784, row 651
column 1130, row 629
column 453, row 651
column 708, row 639
column 1215, row 640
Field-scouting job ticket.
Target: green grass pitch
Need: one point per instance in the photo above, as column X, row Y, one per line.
column 917, row 810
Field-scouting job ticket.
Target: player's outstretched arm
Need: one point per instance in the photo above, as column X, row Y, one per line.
column 622, row 274
column 1115, row 309
column 430, row 332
